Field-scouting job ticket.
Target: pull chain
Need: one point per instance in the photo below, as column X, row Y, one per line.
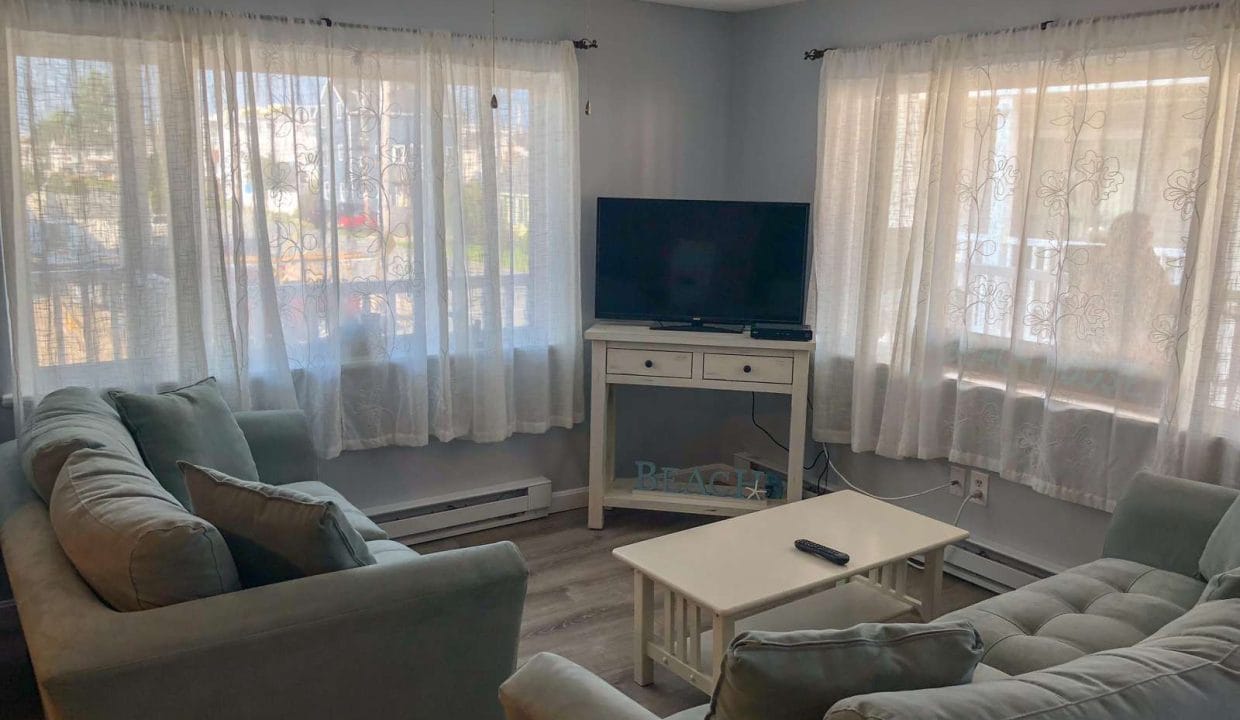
column 494, row 97
column 585, row 78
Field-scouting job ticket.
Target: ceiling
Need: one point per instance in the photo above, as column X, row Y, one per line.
column 726, row 5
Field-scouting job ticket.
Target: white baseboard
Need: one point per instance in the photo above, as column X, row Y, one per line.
column 562, row 500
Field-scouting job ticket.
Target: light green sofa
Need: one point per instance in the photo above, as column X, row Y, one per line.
column 1123, row 637
column 428, row 637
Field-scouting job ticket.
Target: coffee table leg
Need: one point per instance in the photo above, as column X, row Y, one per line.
column 643, row 628
column 933, row 592
column 724, row 630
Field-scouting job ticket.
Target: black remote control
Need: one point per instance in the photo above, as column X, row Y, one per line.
column 822, row 551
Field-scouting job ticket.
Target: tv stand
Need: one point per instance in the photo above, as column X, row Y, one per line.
column 637, row 355
column 698, row 326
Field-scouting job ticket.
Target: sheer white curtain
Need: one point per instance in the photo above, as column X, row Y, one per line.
column 1028, row 252
column 330, row 218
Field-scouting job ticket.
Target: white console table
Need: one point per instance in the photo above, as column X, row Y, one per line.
column 637, row 355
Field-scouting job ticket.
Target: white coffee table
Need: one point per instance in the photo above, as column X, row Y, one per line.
column 744, row 573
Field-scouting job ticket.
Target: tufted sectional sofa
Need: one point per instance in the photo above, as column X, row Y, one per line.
column 1135, row 635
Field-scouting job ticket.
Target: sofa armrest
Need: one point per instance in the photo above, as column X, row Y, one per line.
column 1166, row 521
column 280, row 443
column 424, row 637
column 549, row 687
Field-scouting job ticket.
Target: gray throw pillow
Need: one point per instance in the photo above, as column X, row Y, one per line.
column 130, row 539
column 193, row 424
column 800, row 675
column 1222, row 551
column 275, row 533
column 68, row 420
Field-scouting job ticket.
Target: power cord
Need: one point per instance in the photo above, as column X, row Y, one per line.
column 753, row 417
column 847, row 482
column 830, row 467
column 960, row 510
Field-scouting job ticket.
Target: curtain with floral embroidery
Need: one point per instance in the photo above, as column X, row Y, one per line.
column 336, row 219
column 1028, row 252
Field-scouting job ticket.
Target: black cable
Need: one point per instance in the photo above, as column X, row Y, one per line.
column 753, row 416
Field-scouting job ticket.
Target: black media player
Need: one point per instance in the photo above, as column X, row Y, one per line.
column 781, row 331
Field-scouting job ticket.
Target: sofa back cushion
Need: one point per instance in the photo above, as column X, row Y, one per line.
column 68, row 420
column 275, row 533
column 800, row 675
column 132, row 542
column 193, row 424
column 1222, row 551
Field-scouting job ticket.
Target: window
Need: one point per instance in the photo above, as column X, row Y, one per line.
column 1022, row 261
column 284, row 209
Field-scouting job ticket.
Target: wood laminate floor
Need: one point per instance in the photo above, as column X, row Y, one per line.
column 580, row 600
column 579, row 605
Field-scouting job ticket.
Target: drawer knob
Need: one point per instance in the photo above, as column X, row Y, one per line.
column 650, row 363
column 747, row 368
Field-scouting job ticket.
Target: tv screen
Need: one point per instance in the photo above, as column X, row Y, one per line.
column 692, row 260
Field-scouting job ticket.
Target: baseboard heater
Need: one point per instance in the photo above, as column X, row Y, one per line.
column 459, row 513
column 987, row 567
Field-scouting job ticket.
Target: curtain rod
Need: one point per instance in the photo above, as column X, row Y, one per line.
column 581, row 44
column 819, row 53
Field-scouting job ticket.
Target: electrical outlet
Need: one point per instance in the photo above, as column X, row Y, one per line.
column 979, row 483
column 960, row 478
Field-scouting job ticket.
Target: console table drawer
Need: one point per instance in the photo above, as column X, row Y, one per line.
column 656, row 363
column 748, row 368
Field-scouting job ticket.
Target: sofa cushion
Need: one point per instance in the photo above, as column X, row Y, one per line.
column 192, row 424
column 799, row 675
column 1222, row 551
column 358, row 519
column 68, row 420
column 1105, row 604
column 1224, row 586
column 1189, row 669
column 275, row 533
column 130, row 539
column 985, row 673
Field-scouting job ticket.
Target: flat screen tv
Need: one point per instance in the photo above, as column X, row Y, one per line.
column 701, row 262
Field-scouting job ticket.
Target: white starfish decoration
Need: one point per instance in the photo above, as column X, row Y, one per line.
column 755, row 492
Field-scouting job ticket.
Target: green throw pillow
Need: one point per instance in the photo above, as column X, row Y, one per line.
column 191, row 424
column 65, row 421
column 800, row 675
column 275, row 533
column 1222, row 551
column 130, row 539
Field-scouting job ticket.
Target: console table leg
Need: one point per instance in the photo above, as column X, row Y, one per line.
column 600, row 434
column 796, row 427
column 643, row 628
